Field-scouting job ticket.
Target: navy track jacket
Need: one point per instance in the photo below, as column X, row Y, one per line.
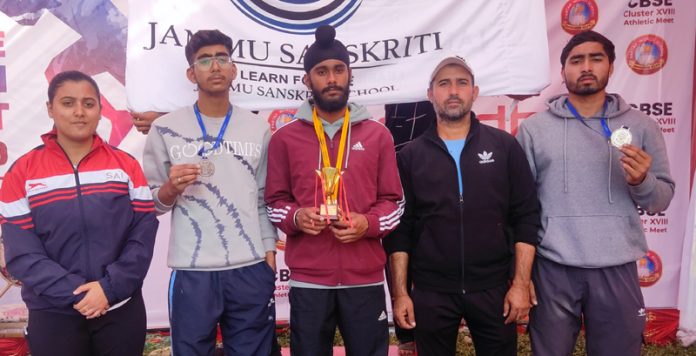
column 64, row 226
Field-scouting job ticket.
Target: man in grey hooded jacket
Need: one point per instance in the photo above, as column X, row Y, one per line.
column 594, row 159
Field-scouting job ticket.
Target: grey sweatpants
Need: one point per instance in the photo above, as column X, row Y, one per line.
column 608, row 300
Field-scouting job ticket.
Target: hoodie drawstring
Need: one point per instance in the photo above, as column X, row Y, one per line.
column 611, row 199
column 565, row 155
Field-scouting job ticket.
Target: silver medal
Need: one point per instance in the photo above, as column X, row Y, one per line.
column 207, row 167
column 620, row 137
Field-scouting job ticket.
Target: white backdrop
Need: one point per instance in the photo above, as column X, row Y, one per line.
column 390, row 42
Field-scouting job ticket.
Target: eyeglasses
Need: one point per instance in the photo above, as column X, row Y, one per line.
column 207, row 62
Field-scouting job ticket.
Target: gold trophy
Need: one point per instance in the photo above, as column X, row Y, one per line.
column 330, row 178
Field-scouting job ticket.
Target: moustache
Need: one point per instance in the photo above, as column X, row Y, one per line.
column 454, row 99
column 330, row 88
column 587, row 76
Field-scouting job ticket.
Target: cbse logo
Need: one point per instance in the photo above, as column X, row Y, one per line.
column 647, row 54
column 649, row 269
column 579, row 16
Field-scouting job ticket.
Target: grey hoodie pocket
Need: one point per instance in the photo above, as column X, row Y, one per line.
column 592, row 240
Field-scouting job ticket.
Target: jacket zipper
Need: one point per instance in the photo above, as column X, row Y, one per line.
column 460, row 178
column 461, row 207
column 438, row 142
column 78, row 189
column 461, row 237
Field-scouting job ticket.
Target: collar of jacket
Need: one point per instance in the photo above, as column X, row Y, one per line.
column 50, row 139
column 431, row 133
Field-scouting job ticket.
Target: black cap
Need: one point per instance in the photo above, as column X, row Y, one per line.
column 325, row 47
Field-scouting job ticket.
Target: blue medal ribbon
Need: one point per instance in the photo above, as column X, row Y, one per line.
column 603, row 120
column 202, row 152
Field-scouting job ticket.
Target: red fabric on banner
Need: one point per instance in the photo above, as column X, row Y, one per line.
column 661, row 327
column 13, row 346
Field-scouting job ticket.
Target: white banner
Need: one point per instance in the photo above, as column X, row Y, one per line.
column 392, row 44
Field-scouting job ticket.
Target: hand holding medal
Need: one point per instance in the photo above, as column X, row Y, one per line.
column 636, row 163
column 182, row 175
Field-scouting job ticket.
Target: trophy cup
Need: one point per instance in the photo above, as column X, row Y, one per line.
column 330, row 178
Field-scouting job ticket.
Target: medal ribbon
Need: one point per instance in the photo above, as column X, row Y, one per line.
column 319, row 129
column 603, row 120
column 202, row 152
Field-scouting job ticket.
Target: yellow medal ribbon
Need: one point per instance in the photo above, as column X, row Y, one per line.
column 319, row 129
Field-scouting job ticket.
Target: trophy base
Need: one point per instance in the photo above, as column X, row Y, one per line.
column 330, row 211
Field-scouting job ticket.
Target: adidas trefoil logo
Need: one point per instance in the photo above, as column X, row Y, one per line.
column 382, row 316
column 641, row 312
column 486, row 157
column 358, row 147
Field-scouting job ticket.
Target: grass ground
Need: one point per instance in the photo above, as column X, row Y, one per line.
column 158, row 341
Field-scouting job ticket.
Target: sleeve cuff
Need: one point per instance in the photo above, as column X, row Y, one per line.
column 397, row 241
column 108, row 291
column 644, row 188
column 528, row 234
column 269, row 244
column 160, row 207
column 372, row 226
column 292, row 224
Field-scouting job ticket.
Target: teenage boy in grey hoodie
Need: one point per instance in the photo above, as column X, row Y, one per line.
column 589, row 182
column 206, row 163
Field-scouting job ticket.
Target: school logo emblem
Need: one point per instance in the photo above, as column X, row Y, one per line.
column 647, row 54
column 278, row 118
column 300, row 17
column 649, row 269
column 579, row 15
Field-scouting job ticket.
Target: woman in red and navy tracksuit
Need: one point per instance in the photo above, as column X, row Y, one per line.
column 79, row 226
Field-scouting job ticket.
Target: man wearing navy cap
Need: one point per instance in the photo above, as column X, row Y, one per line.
column 336, row 260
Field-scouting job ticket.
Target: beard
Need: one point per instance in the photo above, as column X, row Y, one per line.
column 452, row 115
column 331, row 105
column 584, row 89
